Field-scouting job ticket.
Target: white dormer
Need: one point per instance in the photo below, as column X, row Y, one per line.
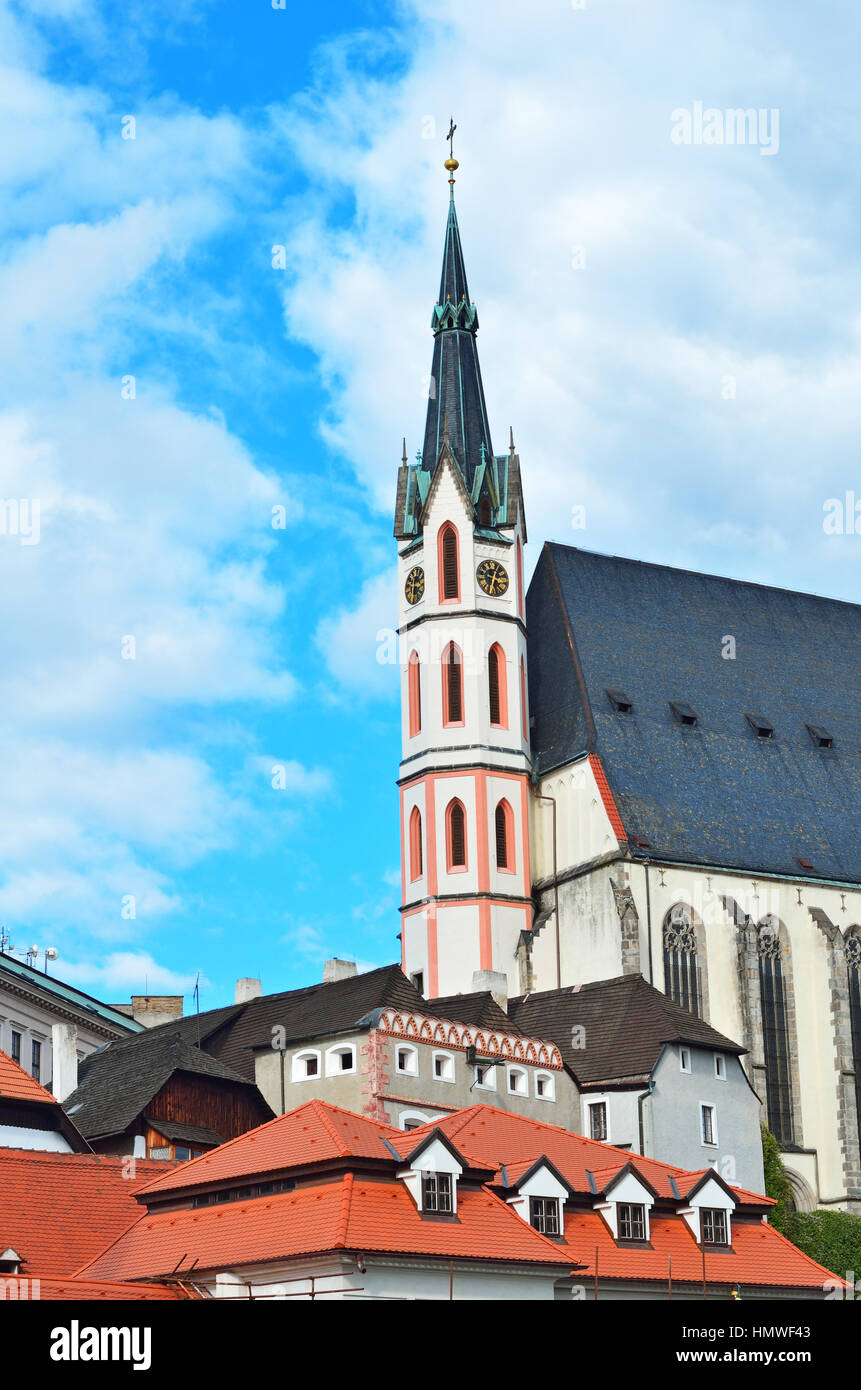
column 708, row 1211
column 432, row 1175
column 626, row 1205
column 538, row 1197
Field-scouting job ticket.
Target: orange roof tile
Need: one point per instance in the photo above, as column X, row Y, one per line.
column 607, row 797
column 90, row 1290
column 17, row 1084
column 759, row 1255
column 58, row 1210
column 312, row 1133
column 351, row 1214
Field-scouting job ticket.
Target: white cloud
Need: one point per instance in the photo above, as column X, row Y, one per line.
column 124, row 973
column 357, row 643
column 291, row 777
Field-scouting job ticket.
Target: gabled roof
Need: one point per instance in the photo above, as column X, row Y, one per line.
column 117, row 1083
column 350, row 1213
column 21, row 1096
column 313, row 1133
column 626, row 1023
column 712, row 793
column 58, row 1210
column 17, row 1084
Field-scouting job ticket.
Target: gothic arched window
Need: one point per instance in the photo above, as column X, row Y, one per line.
column 504, row 828
column 852, row 948
column 455, row 835
column 415, row 694
column 775, row 1030
column 497, row 687
column 681, row 981
column 452, row 685
column 449, row 564
column 416, row 865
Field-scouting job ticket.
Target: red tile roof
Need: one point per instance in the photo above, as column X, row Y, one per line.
column 350, row 1214
column 314, row 1132
column 17, row 1084
column 59, row 1210
column 491, row 1137
column 759, row 1255
column 90, row 1290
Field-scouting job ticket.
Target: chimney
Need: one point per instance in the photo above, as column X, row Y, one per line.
column 152, row 1009
column 64, row 1059
column 495, row 981
column 338, row 970
column 246, row 989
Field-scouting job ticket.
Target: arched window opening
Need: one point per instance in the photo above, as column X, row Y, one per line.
column 504, row 827
column 681, row 981
column 852, row 949
column 775, row 1031
column 497, row 687
column 449, row 564
column 416, row 865
column 484, row 514
column 456, row 835
column 415, row 694
column 452, row 685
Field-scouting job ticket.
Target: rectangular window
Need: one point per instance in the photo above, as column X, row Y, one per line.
column 16, row 1047
column 685, row 1059
column 407, row 1061
column 720, row 1066
column 598, row 1121
column 36, row 1068
column 544, row 1215
column 713, row 1226
column 709, row 1125
column 418, row 980
column 312, row 1066
column 632, row 1222
column 436, row 1192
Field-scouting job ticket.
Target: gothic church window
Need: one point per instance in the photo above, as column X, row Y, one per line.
column 852, row 948
column 415, row 694
column 681, row 981
column 449, row 565
column 456, row 835
column 775, row 1031
column 504, row 828
column 452, row 692
column 496, row 687
column 416, row 865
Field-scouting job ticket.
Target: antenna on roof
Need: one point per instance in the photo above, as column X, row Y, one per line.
column 196, row 995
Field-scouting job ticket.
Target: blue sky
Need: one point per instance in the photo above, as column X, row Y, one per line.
column 673, row 330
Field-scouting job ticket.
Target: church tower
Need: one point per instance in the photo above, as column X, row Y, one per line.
column 465, row 769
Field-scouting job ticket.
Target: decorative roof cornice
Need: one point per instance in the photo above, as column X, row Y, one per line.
column 487, row 1042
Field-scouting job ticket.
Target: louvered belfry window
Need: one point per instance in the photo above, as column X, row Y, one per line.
column 450, row 576
column 501, row 837
column 493, row 685
column 457, row 835
column 453, row 686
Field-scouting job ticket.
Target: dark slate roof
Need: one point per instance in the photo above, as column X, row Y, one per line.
column 479, row 1010
column 178, row 1131
column 711, row 793
column 117, row 1082
column 319, row 1011
column 625, row 1023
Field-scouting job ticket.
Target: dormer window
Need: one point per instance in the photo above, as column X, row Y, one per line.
column 620, row 701
column 544, row 1215
column 632, row 1221
column 763, row 728
column 714, row 1226
column 437, row 1192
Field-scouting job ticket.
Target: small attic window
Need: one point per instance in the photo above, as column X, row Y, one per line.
column 683, row 713
column 620, row 702
column 761, row 727
column 642, row 842
column 805, row 864
column 820, row 736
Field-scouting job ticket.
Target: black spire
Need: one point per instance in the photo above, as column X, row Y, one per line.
column 456, row 392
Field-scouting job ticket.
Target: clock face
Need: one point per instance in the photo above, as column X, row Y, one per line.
column 493, row 578
column 415, row 585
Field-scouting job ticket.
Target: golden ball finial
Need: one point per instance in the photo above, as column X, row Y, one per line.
column 451, row 165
